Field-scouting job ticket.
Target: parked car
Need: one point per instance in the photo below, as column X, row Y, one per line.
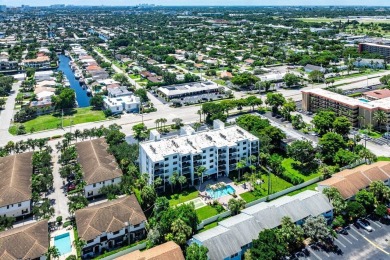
column 363, row 224
column 341, row 230
column 71, row 187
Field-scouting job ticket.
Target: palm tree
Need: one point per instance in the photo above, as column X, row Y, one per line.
column 77, row 134
column 378, row 188
column 199, row 112
column 79, row 243
column 199, row 172
column 182, row 180
column 239, row 166
column 173, row 180
column 52, row 252
column 380, row 117
column 181, row 231
column 197, row 125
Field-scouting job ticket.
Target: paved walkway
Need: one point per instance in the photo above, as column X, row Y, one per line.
column 58, row 196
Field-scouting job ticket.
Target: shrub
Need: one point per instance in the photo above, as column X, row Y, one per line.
column 291, row 178
column 67, row 224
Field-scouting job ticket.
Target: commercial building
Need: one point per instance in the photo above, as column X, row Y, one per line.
column 187, row 89
column 381, row 49
column 110, row 224
column 218, row 150
column 351, row 181
column 15, row 185
column 167, row 251
column 30, row 241
column 233, row 236
column 99, row 167
column 359, row 111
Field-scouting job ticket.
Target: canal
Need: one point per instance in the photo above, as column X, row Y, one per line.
column 81, row 94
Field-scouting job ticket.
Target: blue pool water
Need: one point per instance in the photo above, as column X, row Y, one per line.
column 62, row 242
column 215, row 194
column 364, row 100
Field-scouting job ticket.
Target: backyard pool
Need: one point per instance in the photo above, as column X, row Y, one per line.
column 364, row 100
column 62, row 242
column 220, row 192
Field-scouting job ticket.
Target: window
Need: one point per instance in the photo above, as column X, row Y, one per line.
column 204, row 157
column 94, row 185
column 244, row 148
column 244, row 142
column 174, row 157
column 116, row 232
column 166, row 159
column 174, row 163
column 212, row 166
column 175, row 169
column 19, row 204
column 7, row 206
column 135, row 226
column 212, row 149
column 211, row 161
column 204, row 151
column 112, row 181
column 89, row 241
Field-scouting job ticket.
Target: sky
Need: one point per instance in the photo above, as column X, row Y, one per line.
column 198, row 2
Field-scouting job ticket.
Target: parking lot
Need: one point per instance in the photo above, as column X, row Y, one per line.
column 357, row 244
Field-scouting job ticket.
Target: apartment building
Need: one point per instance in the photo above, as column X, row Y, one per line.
column 381, row 49
column 359, row 111
column 110, row 224
column 15, row 186
column 99, row 167
column 218, row 150
column 30, row 241
column 233, row 236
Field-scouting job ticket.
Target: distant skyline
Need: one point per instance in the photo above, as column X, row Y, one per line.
column 197, row 3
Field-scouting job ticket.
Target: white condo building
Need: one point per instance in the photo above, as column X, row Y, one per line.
column 218, row 150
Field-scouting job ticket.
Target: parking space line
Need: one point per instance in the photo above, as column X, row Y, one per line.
column 374, row 222
column 359, row 233
column 346, row 239
column 375, row 245
column 312, row 251
column 340, row 242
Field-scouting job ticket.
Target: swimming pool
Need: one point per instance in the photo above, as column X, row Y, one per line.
column 364, row 100
column 215, row 194
column 62, row 242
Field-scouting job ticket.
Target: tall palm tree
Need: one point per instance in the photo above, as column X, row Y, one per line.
column 239, row 166
column 380, row 117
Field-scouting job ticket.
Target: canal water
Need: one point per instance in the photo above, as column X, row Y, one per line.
column 81, row 94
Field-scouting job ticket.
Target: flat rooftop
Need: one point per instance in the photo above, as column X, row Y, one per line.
column 378, row 94
column 187, row 144
column 188, row 88
column 383, row 103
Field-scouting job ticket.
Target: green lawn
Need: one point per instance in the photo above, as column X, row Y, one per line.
column 288, row 166
column 209, row 226
column 181, row 197
column 46, row 122
column 206, row 212
column 310, row 187
column 373, row 134
column 383, row 158
column 220, row 82
column 277, row 184
column 316, row 20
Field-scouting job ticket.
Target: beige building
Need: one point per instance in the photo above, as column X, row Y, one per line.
column 360, row 111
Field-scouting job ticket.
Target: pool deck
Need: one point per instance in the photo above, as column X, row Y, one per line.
column 224, row 199
column 60, row 232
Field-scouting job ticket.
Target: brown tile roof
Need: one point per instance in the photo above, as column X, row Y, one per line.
column 167, row 251
column 26, row 242
column 349, row 182
column 109, row 216
column 15, row 173
column 98, row 165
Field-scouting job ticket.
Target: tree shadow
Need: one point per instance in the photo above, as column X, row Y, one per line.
column 68, row 112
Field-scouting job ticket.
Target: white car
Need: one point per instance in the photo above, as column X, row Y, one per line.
column 364, row 225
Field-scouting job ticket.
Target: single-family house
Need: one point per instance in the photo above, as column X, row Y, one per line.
column 38, row 63
column 226, row 75
column 110, row 224
column 117, row 105
column 99, row 167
